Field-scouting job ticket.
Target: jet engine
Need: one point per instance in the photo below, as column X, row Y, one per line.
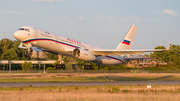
column 36, row 53
column 83, row 55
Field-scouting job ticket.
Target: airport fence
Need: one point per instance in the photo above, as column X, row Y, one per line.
column 91, row 71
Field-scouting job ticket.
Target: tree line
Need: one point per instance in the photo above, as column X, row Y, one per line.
column 170, row 56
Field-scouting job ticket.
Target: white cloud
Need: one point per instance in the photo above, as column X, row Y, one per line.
column 80, row 18
column 169, row 12
column 134, row 18
column 50, row 0
column 101, row 17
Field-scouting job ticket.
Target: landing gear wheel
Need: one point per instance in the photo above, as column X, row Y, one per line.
column 85, row 67
column 88, row 67
column 60, row 66
column 92, row 67
column 63, row 66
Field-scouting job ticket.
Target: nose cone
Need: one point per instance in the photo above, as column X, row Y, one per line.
column 17, row 35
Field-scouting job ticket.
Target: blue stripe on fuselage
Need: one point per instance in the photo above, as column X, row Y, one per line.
column 44, row 39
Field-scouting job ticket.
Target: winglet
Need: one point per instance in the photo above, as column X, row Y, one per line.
column 168, row 47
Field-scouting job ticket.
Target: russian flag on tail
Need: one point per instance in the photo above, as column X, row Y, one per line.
column 127, row 42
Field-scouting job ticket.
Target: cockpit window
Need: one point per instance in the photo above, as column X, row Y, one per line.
column 21, row 29
column 24, row 29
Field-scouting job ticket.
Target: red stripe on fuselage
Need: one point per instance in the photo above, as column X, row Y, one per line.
column 51, row 40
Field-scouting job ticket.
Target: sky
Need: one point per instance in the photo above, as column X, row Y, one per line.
column 102, row 23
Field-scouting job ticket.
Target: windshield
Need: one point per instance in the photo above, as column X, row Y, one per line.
column 24, row 29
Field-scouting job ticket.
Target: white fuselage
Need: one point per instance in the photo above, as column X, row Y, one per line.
column 60, row 45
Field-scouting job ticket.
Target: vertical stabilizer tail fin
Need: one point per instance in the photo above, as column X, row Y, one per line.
column 128, row 40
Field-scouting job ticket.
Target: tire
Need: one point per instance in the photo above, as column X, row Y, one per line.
column 63, row 66
column 92, row 67
column 85, row 67
column 89, row 67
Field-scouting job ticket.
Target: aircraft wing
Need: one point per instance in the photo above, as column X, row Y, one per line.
column 125, row 52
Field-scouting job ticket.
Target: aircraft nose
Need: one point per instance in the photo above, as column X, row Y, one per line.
column 16, row 35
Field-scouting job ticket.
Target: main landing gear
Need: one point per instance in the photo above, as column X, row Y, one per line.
column 60, row 65
column 88, row 67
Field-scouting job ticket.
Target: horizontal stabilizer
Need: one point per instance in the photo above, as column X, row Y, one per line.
column 136, row 58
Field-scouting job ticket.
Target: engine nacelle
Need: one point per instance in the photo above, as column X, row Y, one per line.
column 83, row 55
column 36, row 53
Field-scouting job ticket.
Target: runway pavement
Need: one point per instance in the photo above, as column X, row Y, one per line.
column 48, row 84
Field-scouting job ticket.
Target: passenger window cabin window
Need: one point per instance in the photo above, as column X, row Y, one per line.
column 47, row 32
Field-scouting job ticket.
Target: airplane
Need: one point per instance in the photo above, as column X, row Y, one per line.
column 39, row 43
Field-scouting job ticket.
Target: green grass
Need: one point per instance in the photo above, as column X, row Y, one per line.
column 90, row 79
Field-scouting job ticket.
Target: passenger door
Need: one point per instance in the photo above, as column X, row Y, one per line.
column 35, row 33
